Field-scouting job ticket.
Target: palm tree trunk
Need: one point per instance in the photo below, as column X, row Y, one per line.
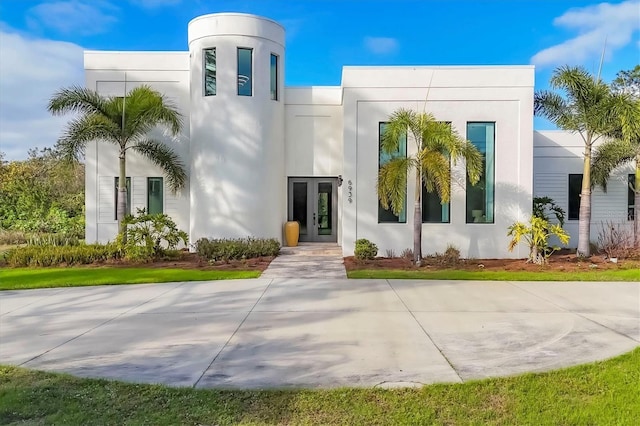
column 636, row 205
column 417, row 221
column 584, row 222
column 121, row 208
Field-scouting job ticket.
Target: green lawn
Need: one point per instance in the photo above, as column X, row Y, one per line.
column 24, row 278
column 600, row 393
column 593, row 275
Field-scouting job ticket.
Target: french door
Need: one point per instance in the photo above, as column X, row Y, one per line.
column 313, row 202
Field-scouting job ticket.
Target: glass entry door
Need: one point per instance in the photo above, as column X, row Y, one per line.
column 313, row 202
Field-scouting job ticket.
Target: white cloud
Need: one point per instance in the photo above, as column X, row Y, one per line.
column 616, row 23
column 74, row 16
column 31, row 70
column 381, row 45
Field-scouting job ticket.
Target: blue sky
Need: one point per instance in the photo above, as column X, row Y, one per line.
column 41, row 41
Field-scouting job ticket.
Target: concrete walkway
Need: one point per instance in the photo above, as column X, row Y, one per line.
column 317, row 333
column 308, row 260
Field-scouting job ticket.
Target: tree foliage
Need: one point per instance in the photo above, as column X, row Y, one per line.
column 582, row 103
column 125, row 122
column 438, row 145
column 43, row 193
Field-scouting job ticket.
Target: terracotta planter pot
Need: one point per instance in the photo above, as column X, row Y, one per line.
column 292, row 233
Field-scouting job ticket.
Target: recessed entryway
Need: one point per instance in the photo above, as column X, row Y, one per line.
column 313, row 202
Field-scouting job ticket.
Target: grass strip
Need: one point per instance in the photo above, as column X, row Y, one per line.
column 453, row 274
column 31, row 278
column 599, row 393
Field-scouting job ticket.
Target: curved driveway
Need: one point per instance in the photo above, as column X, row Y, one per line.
column 312, row 333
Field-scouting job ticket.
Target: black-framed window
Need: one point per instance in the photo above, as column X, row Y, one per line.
column 245, row 71
column 155, row 195
column 575, row 188
column 386, row 215
column 433, row 211
column 127, row 185
column 480, row 197
column 209, row 66
column 631, row 197
column 273, row 77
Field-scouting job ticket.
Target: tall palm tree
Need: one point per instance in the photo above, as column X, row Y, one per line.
column 587, row 107
column 437, row 144
column 124, row 122
column 622, row 147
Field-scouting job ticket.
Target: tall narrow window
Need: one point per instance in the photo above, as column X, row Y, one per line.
column 274, row 77
column 154, row 195
column 386, row 215
column 115, row 197
column 209, row 57
column 480, row 197
column 631, row 197
column 575, row 188
column 245, row 71
column 433, row 211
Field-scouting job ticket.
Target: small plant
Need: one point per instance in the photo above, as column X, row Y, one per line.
column 614, row 240
column 450, row 257
column 53, row 240
column 11, row 237
column 365, row 249
column 536, row 234
column 236, row 249
column 390, row 253
column 149, row 235
column 407, row 254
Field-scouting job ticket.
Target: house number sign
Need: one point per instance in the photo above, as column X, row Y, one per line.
column 350, row 191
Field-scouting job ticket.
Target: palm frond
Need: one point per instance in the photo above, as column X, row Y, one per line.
column 396, row 130
column 436, row 174
column 77, row 99
column 392, row 183
column 163, row 156
column 83, row 130
column 473, row 159
column 146, row 108
column 608, row 156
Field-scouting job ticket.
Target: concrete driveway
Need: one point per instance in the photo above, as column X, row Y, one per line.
column 317, row 333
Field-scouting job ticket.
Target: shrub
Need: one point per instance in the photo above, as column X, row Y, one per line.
column 149, row 235
column 235, row 249
column 11, row 237
column 614, row 240
column 365, row 249
column 536, row 235
column 407, row 254
column 62, row 255
column 53, row 240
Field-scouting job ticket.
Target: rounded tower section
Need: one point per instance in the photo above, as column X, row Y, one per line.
column 237, row 181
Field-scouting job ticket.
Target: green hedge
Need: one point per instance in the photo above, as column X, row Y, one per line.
column 61, row 255
column 235, row 249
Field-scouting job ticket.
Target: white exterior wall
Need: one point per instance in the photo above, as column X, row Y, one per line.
column 238, row 183
column 557, row 154
column 503, row 95
column 113, row 74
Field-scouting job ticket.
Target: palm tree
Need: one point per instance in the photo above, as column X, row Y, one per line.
column 622, row 147
column 124, row 122
column 437, row 144
column 588, row 108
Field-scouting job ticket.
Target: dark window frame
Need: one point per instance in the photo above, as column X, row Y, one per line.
column 274, row 92
column 149, row 180
column 484, row 176
column 631, row 199
column 204, row 71
column 381, row 210
column 250, row 77
column 573, row 211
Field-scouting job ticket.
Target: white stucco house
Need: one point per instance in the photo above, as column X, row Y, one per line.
column 259, row 153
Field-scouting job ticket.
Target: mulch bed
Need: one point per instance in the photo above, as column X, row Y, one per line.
column 561, row 261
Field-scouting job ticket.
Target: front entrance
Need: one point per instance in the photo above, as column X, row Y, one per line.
column 314, row 203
